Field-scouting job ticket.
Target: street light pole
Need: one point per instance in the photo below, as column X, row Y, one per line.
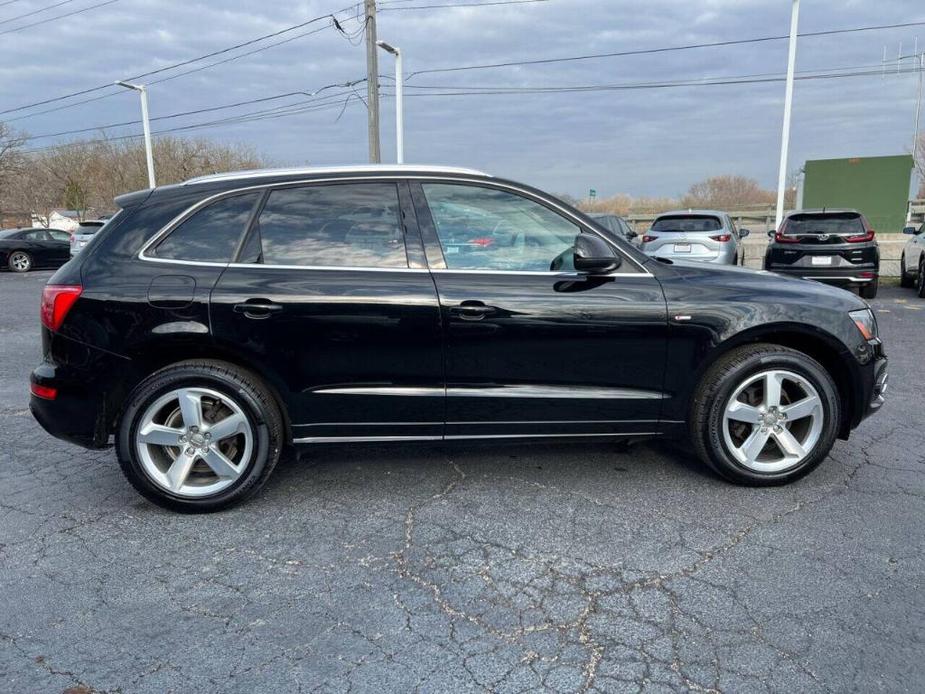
column 146, row 125
column 399, row 105
column 915, row 133
column 788, row 105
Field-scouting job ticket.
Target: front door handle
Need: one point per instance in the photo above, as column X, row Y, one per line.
column 258, row 308
column 472, row 310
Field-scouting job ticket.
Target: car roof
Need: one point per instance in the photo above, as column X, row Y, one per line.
column 684, row 213
column 825, row 210
column 234, row 179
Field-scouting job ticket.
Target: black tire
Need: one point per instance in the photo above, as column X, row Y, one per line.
column 906, row 281
column 920, row 279
column 869, row 290
column 247, row 391
column 718, row 385
column 14, row 263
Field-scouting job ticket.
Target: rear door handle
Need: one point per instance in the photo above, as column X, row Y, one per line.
column 258, row 308
column 472, row 310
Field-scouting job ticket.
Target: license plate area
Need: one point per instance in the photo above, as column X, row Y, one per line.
column 682, row 248
column 821, row 260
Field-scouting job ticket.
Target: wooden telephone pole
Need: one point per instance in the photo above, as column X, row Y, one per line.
column 372, row 82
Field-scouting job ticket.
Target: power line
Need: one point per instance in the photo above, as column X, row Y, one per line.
column 330, row 101
column 663, row 49
column 56, row 17
column 705, row 82
column 181, row 114
column 29, row 14
column 334, row 100
column 179, row 64
column 462, row 4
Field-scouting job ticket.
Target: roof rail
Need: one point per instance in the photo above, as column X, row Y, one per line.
column 321, row 170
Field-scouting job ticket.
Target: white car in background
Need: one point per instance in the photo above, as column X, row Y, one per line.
column 81, row 236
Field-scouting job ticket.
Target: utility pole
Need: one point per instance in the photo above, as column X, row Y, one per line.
column 372, row 82
column 788, row 105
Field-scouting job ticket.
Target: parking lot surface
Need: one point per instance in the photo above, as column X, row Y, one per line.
column 568, row 567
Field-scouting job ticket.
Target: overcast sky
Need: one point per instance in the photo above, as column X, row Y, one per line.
column 640, row 141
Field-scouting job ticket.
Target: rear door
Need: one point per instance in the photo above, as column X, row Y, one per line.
column 331, row 292
column 532, row 347
column 59, row 246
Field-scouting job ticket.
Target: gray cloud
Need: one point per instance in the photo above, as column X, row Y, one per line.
column 643, row 142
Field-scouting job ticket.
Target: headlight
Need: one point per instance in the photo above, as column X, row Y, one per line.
column 866, row 322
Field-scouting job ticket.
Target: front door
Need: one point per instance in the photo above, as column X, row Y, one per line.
column 330, row 290
column 534, row 348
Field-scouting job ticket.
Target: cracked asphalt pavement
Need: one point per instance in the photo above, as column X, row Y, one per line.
column 566, row 567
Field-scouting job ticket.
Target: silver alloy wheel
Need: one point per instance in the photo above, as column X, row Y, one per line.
column 194, row 442
column 773, row 421
column 20, row 261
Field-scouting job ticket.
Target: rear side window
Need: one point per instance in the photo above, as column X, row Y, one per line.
column 827, row 223
column 691, row 223
column 210, row 234
column 338, row 225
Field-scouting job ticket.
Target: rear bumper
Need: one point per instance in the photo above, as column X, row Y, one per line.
column 81, row 377
column 74, row 415
column 842, row 277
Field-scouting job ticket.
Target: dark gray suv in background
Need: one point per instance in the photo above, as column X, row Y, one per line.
column 832, row 246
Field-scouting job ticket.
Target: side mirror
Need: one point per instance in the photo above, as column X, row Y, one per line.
column 743, row 233
column 594, row 256
column 630, row 235
column 771, row 233
column 910, row 230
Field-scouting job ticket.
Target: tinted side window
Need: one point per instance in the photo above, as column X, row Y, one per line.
column 210, row 234
column 57, row 235
column 38, row 235
column 350, row 224
column 487, row 229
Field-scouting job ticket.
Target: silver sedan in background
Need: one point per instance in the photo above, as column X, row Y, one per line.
column 709, row 236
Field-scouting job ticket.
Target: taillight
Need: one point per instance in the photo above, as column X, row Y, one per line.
column 484, row 242
column 57, row 300
column 861, row 238
column 722, row 238
column 647, row 238
column 780, row 237
column 44, row 392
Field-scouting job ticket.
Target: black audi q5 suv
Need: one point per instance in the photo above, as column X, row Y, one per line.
column 211, row 325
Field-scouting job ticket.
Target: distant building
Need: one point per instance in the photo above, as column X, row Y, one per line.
column 65, row 220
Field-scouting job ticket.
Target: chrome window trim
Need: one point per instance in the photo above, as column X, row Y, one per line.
column 192, row 209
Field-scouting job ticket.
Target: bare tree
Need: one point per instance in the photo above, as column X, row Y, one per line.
column 920, row 165
column 727, row 192
column 88, row 175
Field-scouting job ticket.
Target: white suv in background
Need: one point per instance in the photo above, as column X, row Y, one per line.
column 81, row 236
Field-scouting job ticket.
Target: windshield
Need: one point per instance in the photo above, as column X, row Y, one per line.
column 827, row 223
column 687, row 223
column 89, row 229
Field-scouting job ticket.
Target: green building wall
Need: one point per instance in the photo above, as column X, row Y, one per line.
column 878, row 187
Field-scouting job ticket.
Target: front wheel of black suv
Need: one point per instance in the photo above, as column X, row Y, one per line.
column 764, row 414
column 199, row 436
column 869, row 290
column 906, row 281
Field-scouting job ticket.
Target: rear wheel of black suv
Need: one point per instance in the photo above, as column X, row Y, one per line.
column 199, row 436
column 765, row 414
